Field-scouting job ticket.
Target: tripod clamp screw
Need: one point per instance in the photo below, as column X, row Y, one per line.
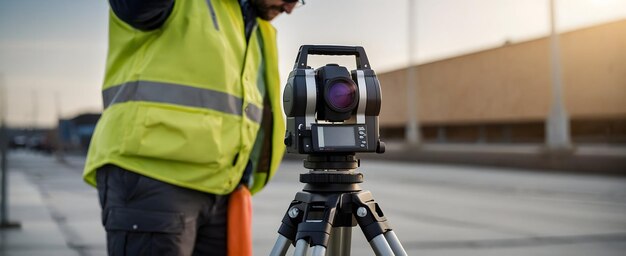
column 293, row 212
column 361, row 212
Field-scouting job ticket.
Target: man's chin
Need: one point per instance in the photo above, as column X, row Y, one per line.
column 269, row 15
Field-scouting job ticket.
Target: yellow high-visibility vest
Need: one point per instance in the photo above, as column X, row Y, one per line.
column 182, row 103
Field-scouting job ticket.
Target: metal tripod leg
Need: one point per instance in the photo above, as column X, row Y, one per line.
column 281, row 246
column 340, row 241
column 387, row 244
column 395, row 244
column 318, row 250
column 338, row 245
column 380, row 246
column 301, row 248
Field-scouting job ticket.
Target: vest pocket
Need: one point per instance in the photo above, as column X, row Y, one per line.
column 177, row 134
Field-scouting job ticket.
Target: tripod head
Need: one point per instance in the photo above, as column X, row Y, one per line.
column 332, row 173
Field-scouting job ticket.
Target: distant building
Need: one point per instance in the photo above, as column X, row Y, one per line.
column 75, row 133
column 504, row 94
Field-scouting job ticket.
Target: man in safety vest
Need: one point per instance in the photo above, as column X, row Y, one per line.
column 192, row 112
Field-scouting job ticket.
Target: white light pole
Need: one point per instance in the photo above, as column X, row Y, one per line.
column 412, row 131
column 35, row 109
column 3, row 155
column 557, row 125
column 3, row 101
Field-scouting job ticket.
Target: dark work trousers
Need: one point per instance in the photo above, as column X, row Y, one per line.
column 144, row 216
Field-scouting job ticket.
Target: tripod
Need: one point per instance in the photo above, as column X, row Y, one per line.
column 323, row 213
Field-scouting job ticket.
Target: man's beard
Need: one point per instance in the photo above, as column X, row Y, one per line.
column 265, row 11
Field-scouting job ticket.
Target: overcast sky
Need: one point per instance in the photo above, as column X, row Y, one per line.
column 52, row 53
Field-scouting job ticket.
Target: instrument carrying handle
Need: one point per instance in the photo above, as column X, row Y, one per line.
column 361, row 58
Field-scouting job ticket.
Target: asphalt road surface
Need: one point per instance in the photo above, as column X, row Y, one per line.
column 434, row 209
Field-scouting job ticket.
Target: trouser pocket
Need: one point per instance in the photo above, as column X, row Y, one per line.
column 139, row 232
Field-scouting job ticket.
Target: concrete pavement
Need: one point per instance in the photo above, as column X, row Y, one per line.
column 59, row 213
column 39, row 234
column 434, row 209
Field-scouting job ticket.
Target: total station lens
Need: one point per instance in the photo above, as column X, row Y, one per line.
column 341, row 95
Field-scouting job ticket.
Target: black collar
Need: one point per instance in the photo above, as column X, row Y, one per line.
column 249, row 16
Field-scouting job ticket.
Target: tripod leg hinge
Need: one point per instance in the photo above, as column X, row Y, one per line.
column 372, row 222
column 289, row 226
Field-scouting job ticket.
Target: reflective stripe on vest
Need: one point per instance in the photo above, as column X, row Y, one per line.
column 179, row 95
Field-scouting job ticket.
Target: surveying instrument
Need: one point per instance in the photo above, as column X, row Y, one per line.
column 331, row 115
